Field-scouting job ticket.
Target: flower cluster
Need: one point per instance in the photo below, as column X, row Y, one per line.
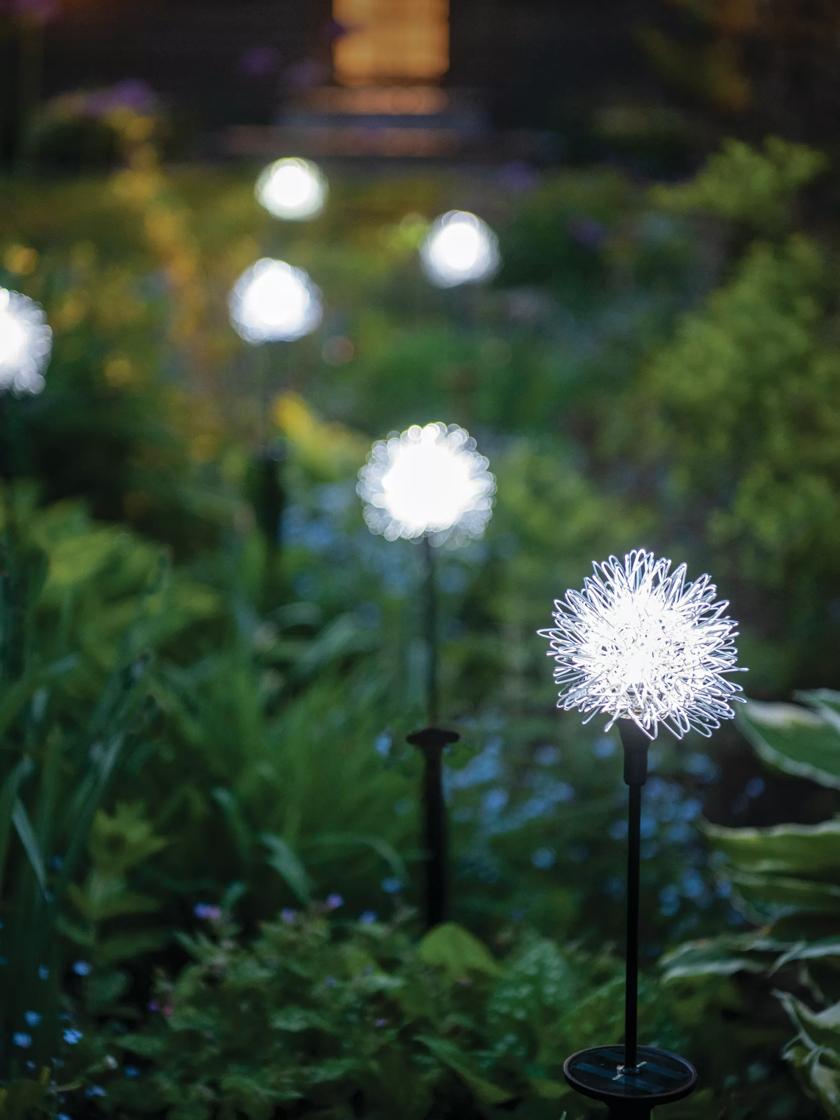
column 640, row 642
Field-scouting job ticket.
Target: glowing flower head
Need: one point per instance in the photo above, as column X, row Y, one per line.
column 639, row 642
column 428, row 480
column 25, row 343
column 292, row 189
column 274, row 302
column 459, row 249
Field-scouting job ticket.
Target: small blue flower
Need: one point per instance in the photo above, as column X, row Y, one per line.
column 131, row 1072
column 43, row 972
column 207, row 912
column 82, row 968
column 22, row 1039
column 288, row 915
column 333, row 901
column 33, row 1018
column 330, row 982
column 71, row 1036
column 95, row 1091
column 392, row 885
column 543, row 858
column 368, row 917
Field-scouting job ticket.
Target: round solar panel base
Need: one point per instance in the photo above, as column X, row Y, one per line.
column 658, row 1078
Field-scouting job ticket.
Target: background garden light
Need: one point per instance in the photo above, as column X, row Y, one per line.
column 273, row 301
column 429, row 483
column 292, row 189
column 648, row 649
column 459, row 249
column 25, row 343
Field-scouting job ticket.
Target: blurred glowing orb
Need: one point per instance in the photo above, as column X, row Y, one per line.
column 274, row 302
column 292, row 189
column 428, row 480
column 459, row 249
column 25, row 343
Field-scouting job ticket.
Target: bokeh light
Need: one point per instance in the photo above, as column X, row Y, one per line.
column 427, row 480
column 25, row 343
column 459, row 249
column 273, row 301
column 292, row 189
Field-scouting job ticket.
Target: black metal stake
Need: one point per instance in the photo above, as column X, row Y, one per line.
column 635, row 745
column 431, row 621
column 631, row 1080
column 432, row 741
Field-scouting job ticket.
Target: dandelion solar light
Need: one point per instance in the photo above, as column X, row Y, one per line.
column 274, row 302
column 646, row 648
column 641, row 643
column 429, row 484
column 292, row 189
column 25, row 343
column 459, row 249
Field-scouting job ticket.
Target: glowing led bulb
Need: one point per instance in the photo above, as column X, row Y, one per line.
column 274, row 302
column 459, row 249
column 428, row 480
column 25, row 343
column 639, row 642
column 292, row 189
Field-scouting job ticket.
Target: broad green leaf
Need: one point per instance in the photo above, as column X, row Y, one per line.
column 794, row 740
column 23, row 827
column 812, row 851
column 721, row 956
column 457, row 952
column 289, row 867
column 485, row 1091
column 786, row 894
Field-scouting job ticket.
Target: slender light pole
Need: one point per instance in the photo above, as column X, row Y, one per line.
column 421, row 484
column 648, row 649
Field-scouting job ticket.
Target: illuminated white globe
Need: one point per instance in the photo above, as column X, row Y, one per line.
column 274, row 302
column 641, row 642
column 459, row 249
column 292, row 189
column 25, row 343
column 427, row 480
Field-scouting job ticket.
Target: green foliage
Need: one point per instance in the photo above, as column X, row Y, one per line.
column 755, row 187
column 786, row 877
column 726, row 405
column 316, row 1019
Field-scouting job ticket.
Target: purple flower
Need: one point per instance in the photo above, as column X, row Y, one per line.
column 368, row 917
column 518, row 177
column 333, row 901
column 131, row 94
column 288, row 915
column 586, row 231
column 206, row 912
column 260, row 61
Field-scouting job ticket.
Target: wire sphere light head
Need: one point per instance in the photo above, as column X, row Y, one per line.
column 459, row 249
column 25, row 343
column 292, row 189
column 640, row 642
column 274, row 302
column 427, row 480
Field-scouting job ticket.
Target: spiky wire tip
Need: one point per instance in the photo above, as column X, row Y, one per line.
column 430, row 481
column 641, row 642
